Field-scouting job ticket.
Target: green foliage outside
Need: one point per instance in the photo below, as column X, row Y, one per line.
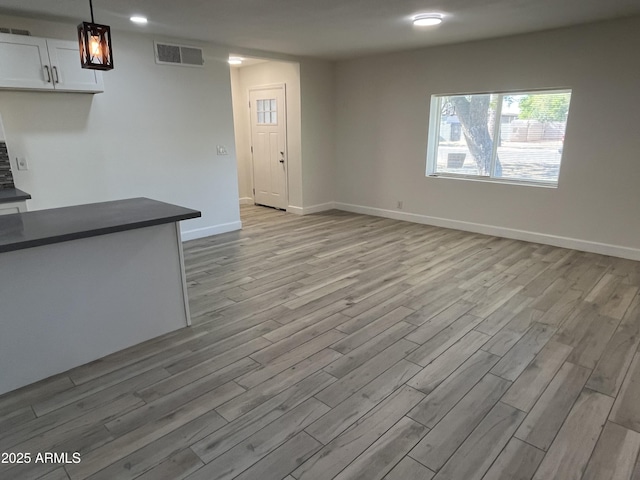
column 545, row 108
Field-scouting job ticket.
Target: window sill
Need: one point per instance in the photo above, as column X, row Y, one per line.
column 522, row 183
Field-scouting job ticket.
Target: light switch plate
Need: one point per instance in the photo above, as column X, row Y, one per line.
column 222, row 150
column 22, row 164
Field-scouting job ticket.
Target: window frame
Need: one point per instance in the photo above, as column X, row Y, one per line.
column 433, row 137
column 272, row 111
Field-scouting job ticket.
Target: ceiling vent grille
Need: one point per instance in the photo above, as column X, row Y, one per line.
column 169, row 54
column 15, row 31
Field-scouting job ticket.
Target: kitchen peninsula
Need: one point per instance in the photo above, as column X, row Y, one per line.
column 79, row 283
column 12, row 200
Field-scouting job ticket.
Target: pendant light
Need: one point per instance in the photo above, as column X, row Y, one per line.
column 95, row 44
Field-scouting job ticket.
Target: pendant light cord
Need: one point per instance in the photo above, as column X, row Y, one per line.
column 91, row 7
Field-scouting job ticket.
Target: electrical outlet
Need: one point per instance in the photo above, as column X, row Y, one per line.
column 222, row 150
column 21, row 163
column 400, row 204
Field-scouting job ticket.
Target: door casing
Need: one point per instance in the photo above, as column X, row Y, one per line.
column 282, row 121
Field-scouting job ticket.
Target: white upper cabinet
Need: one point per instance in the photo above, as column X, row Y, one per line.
column 67, row 72
column 23, row 62
column 31, row 63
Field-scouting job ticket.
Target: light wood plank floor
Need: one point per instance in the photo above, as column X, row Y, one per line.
column 345, row 346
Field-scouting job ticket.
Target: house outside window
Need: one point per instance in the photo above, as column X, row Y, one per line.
column 515, row 137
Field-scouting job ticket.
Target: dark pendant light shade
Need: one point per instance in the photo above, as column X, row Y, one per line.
column 96, row 52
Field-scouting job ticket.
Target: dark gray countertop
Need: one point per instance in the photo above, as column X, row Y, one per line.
column 43, row 227
column 8, row 195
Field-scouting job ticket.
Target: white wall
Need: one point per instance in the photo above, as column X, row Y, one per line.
column 382, row 113
column 242, row 138
column 268, row 73
column 317, row 79
column 153, row 133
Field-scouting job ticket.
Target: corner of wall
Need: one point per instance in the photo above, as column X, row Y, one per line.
column 317, row 88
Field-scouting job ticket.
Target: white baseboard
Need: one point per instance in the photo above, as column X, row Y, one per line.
column 557, row 241
column 246, row 201
column 295, row 210
column 208, row 231
column 322, row 207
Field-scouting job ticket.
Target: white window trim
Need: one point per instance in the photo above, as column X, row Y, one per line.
column 434, row 136
column 479, row 178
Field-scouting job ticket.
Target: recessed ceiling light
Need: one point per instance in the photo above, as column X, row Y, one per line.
column 427, row 20
column 235, row 60
column 138, row 19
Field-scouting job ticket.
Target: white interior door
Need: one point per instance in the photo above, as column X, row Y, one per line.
column 267, row 107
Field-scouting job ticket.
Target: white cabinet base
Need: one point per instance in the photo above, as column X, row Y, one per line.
column 13, row 207
column 67, row 304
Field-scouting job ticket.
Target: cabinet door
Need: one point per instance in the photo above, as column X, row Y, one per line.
column 67, row 73
column 24, row 62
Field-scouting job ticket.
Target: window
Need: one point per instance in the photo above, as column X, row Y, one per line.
column 267, row 112
column 529, row 128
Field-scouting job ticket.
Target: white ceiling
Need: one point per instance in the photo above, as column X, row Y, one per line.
column 330, row 28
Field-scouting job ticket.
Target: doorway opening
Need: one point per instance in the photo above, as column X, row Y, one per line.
column 266, row 113
column 268, row 122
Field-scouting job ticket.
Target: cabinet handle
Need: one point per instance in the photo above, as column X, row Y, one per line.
column 46, row 69
column 55, row 75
